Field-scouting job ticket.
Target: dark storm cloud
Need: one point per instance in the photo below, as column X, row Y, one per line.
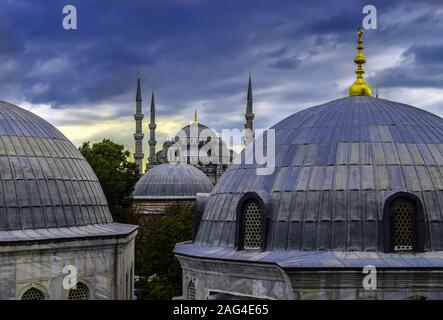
column 198, row 53
column 420, row 67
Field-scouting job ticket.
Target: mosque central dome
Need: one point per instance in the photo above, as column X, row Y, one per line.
column 336, row 166
column 45, row 181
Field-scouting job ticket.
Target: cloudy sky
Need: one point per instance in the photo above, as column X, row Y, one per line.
column 196, row 54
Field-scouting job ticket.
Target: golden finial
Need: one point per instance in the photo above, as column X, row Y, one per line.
column 360, row 87
column 195, row 117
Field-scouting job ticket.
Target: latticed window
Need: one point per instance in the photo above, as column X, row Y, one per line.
column 33, row 294
column 81, row 293
column 191, row 291
column 403, row 211
column 252, row 226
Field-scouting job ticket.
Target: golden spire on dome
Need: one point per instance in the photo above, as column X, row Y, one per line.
column 195, row 117
column 360, row 87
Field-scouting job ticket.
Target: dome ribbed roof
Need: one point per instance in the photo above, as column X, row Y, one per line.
column 45, row 182
column 197, row 129
column 172, row 180
column 336, row 163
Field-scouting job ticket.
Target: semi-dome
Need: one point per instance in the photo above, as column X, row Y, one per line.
column 337, row 165
column 172, row 180
column 45, row 181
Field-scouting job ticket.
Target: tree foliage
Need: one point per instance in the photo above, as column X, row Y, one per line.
column 160, row 271
column 116, row 174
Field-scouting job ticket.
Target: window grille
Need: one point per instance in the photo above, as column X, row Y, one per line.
column 403, row 211
column 252, row 226
column 33, row 294
column 81, row 293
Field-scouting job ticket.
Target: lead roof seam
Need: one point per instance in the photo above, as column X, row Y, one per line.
column 13, row 124
column 88, row 203
column 13, row 110
column 59, row 195
column 70, row 194
column 318, row 218
column 220, row 205
column 304, row 209
column 16, row 193
column 439, row 202
column 31, row 128
column 5, row 216
column 39, row 194
column 426, row 219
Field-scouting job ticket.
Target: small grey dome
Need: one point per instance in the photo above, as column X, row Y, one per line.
column 172, row 180
column 336, row 166
column 45, row 182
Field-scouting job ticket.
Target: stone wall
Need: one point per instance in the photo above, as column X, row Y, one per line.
column 101, row 265
column 262, row 281
column 347, row 284
column 213, row 278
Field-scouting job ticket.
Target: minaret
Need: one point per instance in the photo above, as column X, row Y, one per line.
column 359, row 87
column 138, row 135
column 152, row 126
column 249, row 115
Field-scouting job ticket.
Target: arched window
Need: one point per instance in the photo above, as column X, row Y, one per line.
column 403, row 223
column 403, row 210
column 33, row 294
column 81, row 293
column 191, row 290
column 252, row 225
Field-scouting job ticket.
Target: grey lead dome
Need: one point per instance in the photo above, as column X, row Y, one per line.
column 336, row 163
column 172, row 180
column 45, row 182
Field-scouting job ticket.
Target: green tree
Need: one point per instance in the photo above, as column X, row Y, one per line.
column 160, row 271
column 116, row 174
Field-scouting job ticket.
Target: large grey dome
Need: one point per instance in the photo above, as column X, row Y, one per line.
column 45, row 181
column 172, row 180
column 336, row 164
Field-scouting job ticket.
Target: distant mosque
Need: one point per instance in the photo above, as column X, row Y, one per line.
column 211, row 164
column 187, row 165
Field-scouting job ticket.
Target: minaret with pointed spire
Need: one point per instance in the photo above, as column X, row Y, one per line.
column 249, row 115
column 138, row 135
column 152, row 126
